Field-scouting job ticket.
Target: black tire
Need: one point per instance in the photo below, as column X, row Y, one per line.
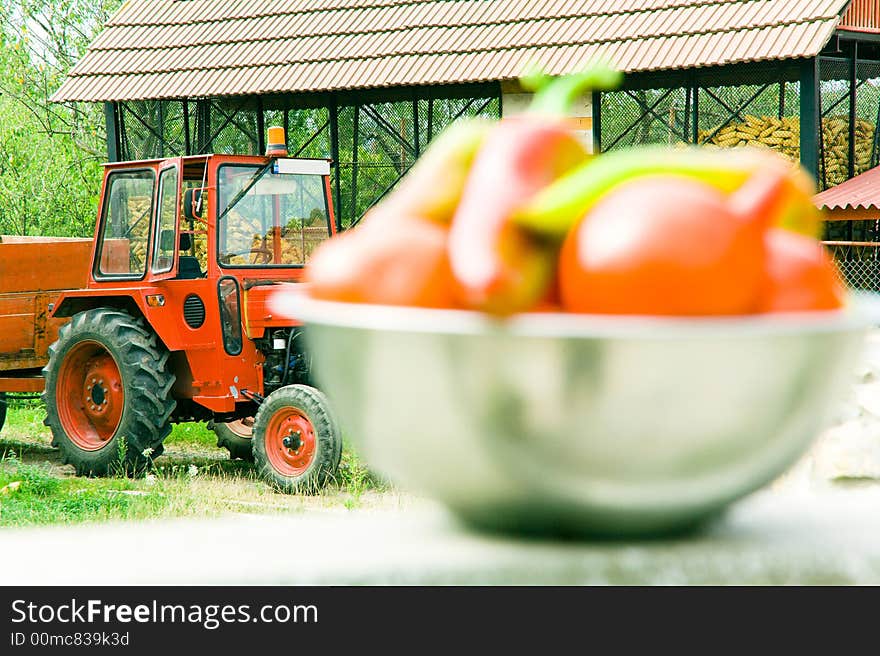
column 314, row 406
column 145, row 382
column 232, row 437
column 2, row 409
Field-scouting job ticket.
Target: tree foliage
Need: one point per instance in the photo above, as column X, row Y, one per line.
column 50, row 154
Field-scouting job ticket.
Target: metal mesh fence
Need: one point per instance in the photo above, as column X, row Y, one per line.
column 834, row 135
column 646, row 116
column 858, row 264
column 867, row 113
column 752, row 105
column 756, row 105
column 235, row 127
column 379, row 142
column 151, row 128
column 376, row 142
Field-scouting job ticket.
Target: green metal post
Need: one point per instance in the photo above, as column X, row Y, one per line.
column 853, row 86
column 334, row 154
column 809, row 79
column 261, row 127
column 355, row 133
column 187, row 139
column 112, row 131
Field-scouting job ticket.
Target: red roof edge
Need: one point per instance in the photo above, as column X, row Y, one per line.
column 862, row 191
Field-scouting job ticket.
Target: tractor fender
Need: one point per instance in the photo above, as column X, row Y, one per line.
column 72, row 302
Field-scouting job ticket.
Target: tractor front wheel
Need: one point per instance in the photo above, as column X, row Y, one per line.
column 297, row 441
column 108, row 393
column 237, row 438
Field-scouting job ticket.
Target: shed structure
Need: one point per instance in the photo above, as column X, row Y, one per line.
column 855, row 205
column 368, row 83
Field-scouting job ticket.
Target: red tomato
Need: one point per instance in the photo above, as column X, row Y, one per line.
column 386, row 260
column 800, row 275
column 665, row 245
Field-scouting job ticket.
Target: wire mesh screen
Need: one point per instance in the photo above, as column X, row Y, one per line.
column 867, row 115
column 235, row 128
column 151, row 129
column 858, row 264
column 758, row 115
column 834, row 137
column 376, row 147
column 750, row 105
column 377, row 142
column 756, row 105
column 308, row 130
column 646, row 116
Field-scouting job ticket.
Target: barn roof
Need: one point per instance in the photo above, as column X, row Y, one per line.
column 196, row 48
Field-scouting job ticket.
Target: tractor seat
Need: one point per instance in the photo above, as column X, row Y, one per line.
column 188, row 268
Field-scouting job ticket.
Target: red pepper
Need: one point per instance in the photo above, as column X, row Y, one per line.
column 500, row 267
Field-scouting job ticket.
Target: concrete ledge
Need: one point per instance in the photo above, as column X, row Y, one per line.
column 775, row 537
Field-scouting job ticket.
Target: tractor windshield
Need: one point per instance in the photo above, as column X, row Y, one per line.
column 268, row 217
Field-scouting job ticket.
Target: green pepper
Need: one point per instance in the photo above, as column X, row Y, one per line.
column 557, row 208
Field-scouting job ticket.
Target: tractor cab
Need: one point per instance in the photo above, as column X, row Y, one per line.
column 211, row 215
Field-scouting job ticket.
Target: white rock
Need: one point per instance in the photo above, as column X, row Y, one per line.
column 850, row 450
column 868, row 397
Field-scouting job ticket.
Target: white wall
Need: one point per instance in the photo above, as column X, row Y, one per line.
column 516, row 102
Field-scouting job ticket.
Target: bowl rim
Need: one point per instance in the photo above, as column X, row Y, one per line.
column 859, row 313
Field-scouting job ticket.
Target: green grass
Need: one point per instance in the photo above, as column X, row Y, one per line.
column 195, row 478
column 191, row 435
column 26, row 422
column 34, row 494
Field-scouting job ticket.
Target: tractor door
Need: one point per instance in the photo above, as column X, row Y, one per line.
column 180, row 243
column 167, row 241
column 124, row 228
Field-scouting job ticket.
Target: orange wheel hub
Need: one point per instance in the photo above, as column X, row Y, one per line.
column 290, row 442
column 89, row 395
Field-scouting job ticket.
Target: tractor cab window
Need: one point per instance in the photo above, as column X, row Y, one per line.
column 166, row 243
column 125, row 229
column 269, row 218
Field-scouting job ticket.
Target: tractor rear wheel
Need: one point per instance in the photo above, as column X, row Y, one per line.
column 2, row 409
column 108, row 393
column 237, row 438
column 297, row 441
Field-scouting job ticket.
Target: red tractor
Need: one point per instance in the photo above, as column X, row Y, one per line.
column 172, row 324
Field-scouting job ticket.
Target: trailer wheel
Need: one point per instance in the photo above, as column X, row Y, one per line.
column 237, row 438
column 108, row 393
column 297, row 441
column 2, row 409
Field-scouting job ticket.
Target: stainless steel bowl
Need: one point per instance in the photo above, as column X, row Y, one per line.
column 580, row 424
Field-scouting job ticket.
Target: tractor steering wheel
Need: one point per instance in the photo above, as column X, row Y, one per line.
column 264, row 253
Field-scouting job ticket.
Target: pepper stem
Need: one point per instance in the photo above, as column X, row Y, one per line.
column 555, row 96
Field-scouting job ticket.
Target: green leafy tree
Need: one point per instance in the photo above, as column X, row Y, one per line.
column 50, row 154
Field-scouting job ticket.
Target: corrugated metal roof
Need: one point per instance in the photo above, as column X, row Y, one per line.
column 860, row 192
column 192, row 48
